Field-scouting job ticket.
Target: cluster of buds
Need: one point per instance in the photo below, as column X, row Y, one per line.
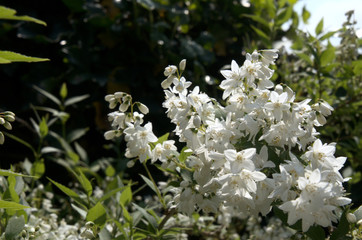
column 5, row 119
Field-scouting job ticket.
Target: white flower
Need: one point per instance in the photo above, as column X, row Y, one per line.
column 240, row 160
column 278, row 104
column 169, row 70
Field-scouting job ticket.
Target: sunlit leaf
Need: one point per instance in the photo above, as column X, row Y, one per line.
column 126, row 196
column 9, row 57
column 10, row 14
column 97, row 214
column 328, row 55
column 305, row 15
column 11, row 205
column 7, row 173
column 319, row 27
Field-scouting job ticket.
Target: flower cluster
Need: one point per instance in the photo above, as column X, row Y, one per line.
column 237, row 154
column 5, row 119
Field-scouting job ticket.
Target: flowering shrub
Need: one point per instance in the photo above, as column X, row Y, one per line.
column 258, row 150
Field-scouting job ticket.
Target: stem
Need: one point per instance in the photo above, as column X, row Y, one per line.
column 169, row 214
column 155, row 185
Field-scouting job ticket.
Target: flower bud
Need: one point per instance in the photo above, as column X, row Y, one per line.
column 9, row 118
column 359, row 222
column 87, row 234
column 124, row 106
column 182, row 65
column 89, row 224
column 120, row 95
column 184, row 184
column 143, row 108
column 2, row 120
column 130, row 164
column 7, row 125
column 109, row 134
column 351, row 218
column 197, row 121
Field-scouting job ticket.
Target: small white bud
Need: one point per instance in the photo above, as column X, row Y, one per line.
column 351, row 218
column 124, row 106
column 7, row 125
column 2, row 138
column 119, row 95
column 359, row 222
column 197, row 121
column 9, row 118
column 109, row 135
column 109, row 98
column 182, row 65
column 89, row 224
column 279, row 89
column 87, row 234
column 143, row 108
column 184, row 184
column 130, row 164
column 2, row 120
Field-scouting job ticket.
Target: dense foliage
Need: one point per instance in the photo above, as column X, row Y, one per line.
column 59, row 161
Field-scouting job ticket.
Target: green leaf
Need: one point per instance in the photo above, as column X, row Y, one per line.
column 69, row 192
column 183, row 155
column 9, row 14
column 149, row 183
column 319, row 27
column 327, row 56
column 14, row 227
column 147, row 4
column 150, row 219
column 305, row 15
column 48, row 95
column 81, row 211
column 73, row 156
column 9, row 57
column 12, row 182
column 38, row 168
column 284, row 15
column 97, row 214
column 43, row 128
column 342, row 229
column 7, row 173
column 74, row 5
column 126, row 214
column 19, row 140
column 76, row 134
column 76, row 99
column 126, row 196
column 316, row 233
column 63, row 91
column 305, row 57
column 357, row 67
column 327, row 35
column 85, row 183
column 257, row 19
column 12, row 205
column 111, row 193
column 110, row 171
column 261, row 34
